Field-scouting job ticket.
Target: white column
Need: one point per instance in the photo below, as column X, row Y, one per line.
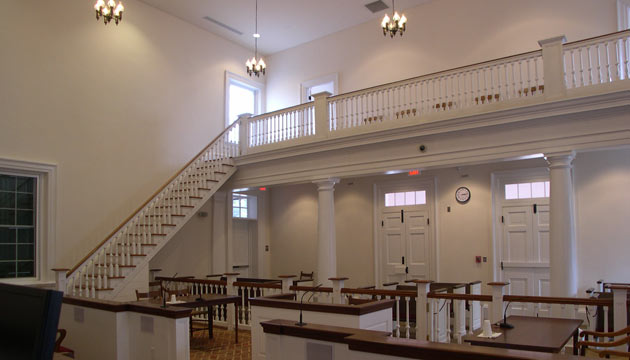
column 498, row 290
column 326, row 241
column 337, row 285
column 243, row 133
column 423, row 328
column 562, row 247
column 287, row 281
column 553, row 65
column 231, row 290
column 60, row 279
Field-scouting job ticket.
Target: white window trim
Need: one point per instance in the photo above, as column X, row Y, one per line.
column 320, row 80
column 623, row 22
column 46, row 224
column 258, row 86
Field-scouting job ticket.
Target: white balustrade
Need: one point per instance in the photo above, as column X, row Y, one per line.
column 287, row 124
column 599, row 60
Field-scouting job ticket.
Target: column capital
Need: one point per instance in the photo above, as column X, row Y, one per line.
column 553, row 41
column 319, row 95
column 326, row 184
column 562, row 159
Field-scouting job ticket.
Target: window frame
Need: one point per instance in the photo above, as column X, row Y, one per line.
column 258, row 87
column 623, row 21
column 45, row 220
column 305, row 85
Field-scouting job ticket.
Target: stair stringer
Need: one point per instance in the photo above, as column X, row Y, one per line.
column 151, row 253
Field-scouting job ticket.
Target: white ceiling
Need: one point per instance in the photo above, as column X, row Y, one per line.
column 282, row 23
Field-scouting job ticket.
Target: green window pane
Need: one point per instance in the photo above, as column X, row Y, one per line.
column 26, row 252
column 26, row 269
column 235, row 203
column 7, row 269
column 26, row 236
column 24, row 217
column 7, row 236
column 24, row 201
column 235, row 212
column 25, row 184
column 7, row 217
column 7, row 182
column 7, row 200
column 243, row 212
column 7, row 252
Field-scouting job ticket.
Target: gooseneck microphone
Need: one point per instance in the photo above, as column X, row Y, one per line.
column 164, row 290
column 504, row 324
column 302, row 323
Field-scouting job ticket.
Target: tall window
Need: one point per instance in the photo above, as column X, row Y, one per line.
column 244, row 206
column 18, row 212
column 242, row 96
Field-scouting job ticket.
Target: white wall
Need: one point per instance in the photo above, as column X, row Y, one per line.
column 602, row 207
column 441, row 35
column 119, row 108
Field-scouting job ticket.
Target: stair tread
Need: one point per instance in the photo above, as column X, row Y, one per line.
column 109, row 277
column 199, row 188
column 178, row 215
column 120, row 266
column 97, row 289
column 190, row 196
column 168, row 206
column 116, row 254
column 140, row 244
column 155, row 224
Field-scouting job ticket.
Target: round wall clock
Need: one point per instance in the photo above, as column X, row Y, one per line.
column 462, row 195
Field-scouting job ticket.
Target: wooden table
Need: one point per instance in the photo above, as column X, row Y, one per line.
column 209, row 300
column 532, row 333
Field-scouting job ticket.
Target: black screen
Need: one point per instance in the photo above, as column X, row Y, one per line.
column 28, row 322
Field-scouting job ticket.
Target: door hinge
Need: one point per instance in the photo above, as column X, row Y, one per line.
column 382, row 223
column 502, row 219
column 403, row 260
column 501, row 265
column 407, row 270
column 402, row 216
column 428, row 222
column 535, row 209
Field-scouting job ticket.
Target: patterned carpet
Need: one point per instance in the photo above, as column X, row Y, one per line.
column 221, row 346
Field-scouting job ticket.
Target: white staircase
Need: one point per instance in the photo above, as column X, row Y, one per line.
column 105, row 271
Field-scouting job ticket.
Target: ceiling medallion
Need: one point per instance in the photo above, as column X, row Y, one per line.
column 397, row 24
column 256, row 67
column 109, row 11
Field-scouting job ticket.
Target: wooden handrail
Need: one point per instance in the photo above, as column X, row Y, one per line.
column 268, row 285
column 469, row 297
column 379, row 292
column 558, row 300
column 310, row 288
column 86, row 257
column 193, row 281
column 595, row 37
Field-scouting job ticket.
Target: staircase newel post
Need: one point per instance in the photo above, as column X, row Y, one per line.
column 61, row 279
column 231, row 290
column 553, row 66
column 498, row 290
column 243, row 133
column 287, row 281
column 321, row 114
column 337, row 285
column 422, row 307
column 620, row 296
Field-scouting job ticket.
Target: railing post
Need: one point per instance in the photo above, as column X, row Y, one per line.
column 243, row 133
column 231, row 290
column 475, row 308
column 422, row 315
column 620, row 298
column 60, row 279
column 498, row 289
column 287, row 281
column 459, row 312
column 553, row 64
column 337, row 285
column 322, row 127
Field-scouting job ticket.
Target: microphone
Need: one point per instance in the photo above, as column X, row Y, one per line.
column 302, row 323
column 504, row 324
column 164, row 290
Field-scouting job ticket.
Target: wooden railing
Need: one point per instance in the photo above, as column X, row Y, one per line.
column 153, row 222
column 286, row 124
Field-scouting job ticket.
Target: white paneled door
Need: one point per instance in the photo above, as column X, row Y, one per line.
column 405, row 244
column 524, row 253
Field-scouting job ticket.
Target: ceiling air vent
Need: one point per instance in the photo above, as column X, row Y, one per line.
column 227, row 27
column 376, row 6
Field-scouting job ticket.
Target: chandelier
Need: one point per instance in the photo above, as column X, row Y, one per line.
column 397, row 24
column 109, row 11
column 256, row 67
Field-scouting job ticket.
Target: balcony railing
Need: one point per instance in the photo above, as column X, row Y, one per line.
column 530, row 78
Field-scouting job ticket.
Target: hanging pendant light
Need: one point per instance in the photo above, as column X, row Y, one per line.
column 397, row 23
column 109, row 11
column 256, row 66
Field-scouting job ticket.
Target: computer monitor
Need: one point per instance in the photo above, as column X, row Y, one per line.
column 29, row 318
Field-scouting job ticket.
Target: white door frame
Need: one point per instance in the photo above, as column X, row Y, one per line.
column 498, row 180
column 379, row 191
